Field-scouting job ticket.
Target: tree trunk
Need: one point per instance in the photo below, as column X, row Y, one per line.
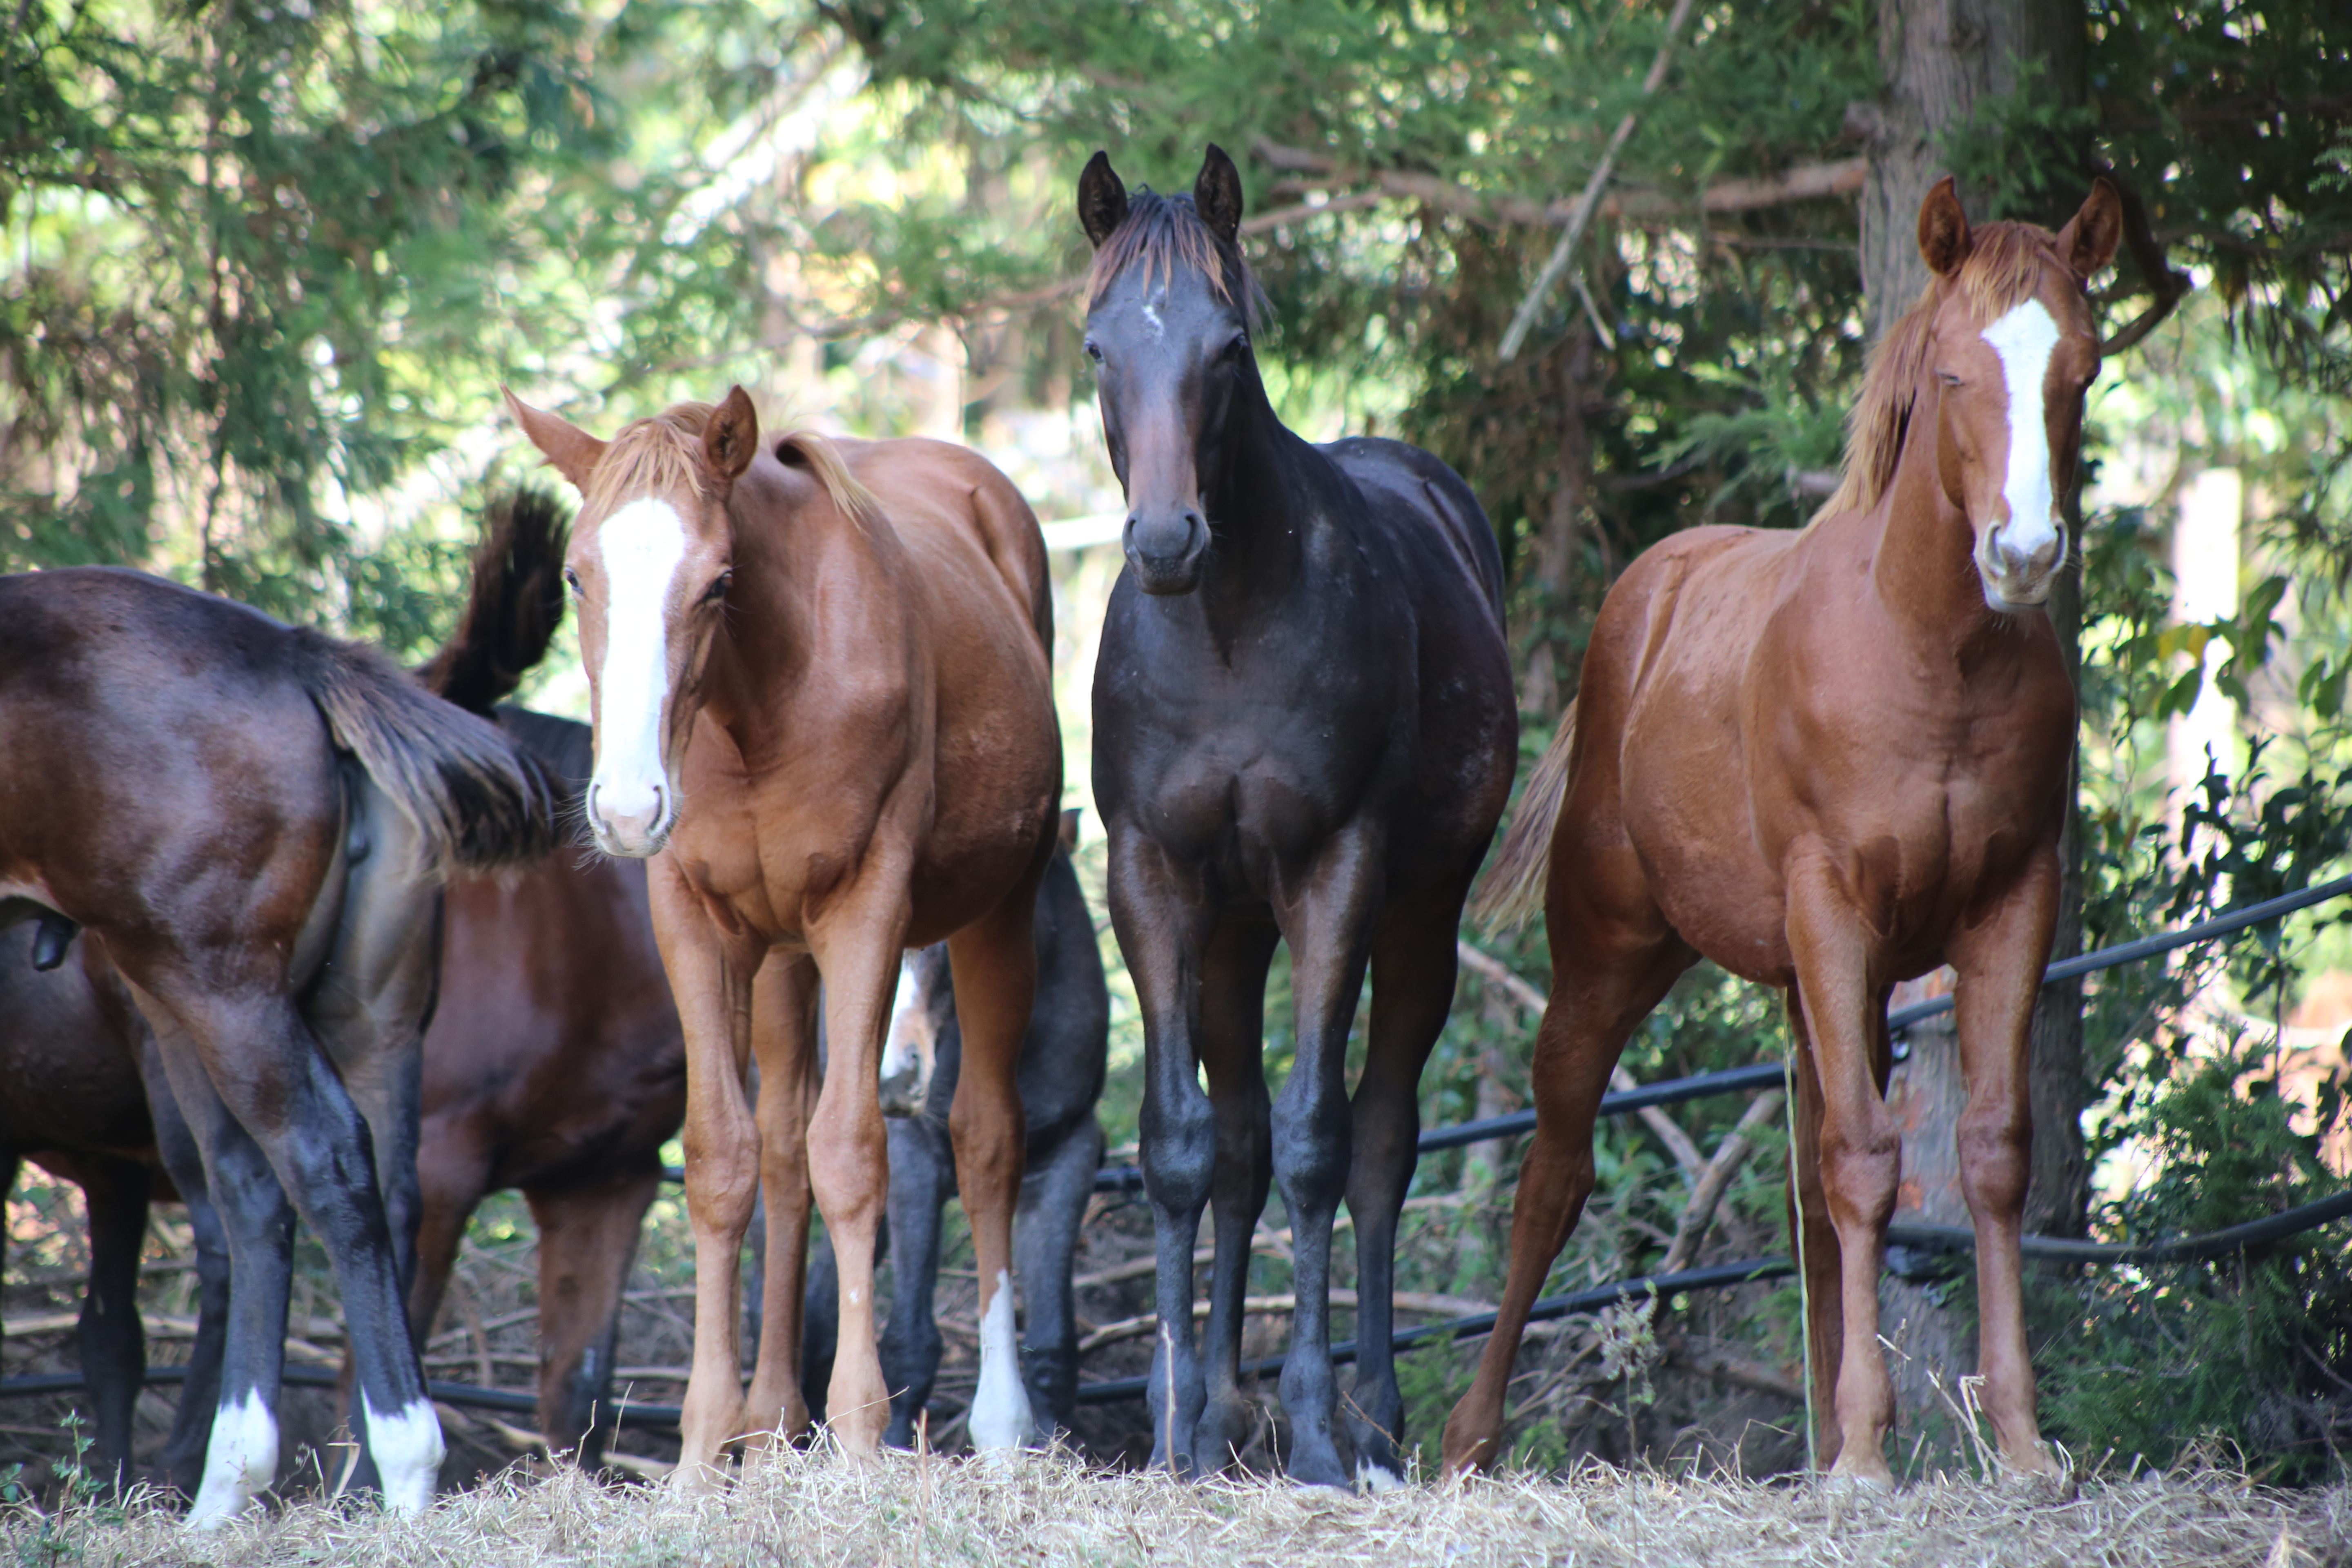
column 1544, row 693
column 1942, row 60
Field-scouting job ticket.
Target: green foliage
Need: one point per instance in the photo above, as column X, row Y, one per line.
column 2253, row 1350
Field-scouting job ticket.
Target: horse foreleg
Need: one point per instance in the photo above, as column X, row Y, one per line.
column 783, row 1038
column 587, row 1236
column 1412, row 990
column 995, row 964
column 712, row 983
column 1163, row 927
column 1861, row 1152
column 858, row 949
column 1999, row 965
column 1328, row 926
column 1233, row 1050
column 1608, row 970
column 1816, row 1244
column 113, row 1344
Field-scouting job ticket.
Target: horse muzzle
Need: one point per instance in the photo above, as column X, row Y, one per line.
column 2018, row 567
column 631, row 822
column 1165, row 552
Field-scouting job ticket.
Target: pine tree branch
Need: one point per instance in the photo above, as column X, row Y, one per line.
column 1804, row 182
column 1581, row 218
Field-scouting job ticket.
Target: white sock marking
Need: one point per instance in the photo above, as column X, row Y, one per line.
column 407, row 1449
column 642, row 545
column 2023, row 339
column 1372, row 1477
column 239, row 1461
column 1000, row 1405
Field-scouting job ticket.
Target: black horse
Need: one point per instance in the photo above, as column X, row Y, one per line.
column 1061, row 1077
column 1304, row 732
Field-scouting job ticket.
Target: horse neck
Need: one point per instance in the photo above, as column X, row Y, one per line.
column 1260, row 513
column 769, row 633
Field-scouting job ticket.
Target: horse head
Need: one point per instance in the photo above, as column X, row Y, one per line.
column 1168, row 328
column 648, row 568
column 2012, row 349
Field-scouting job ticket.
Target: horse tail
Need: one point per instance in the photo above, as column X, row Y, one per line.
column 514, row 608
column 1512, row 890
column 479, row 803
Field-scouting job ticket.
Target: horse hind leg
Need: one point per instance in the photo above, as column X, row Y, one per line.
column 587, row 1237
column 176, row 1142
column 1607, row 975
column 113, row 1344
column 1053, row 1197
column 922, row 1179
column 1412, row 966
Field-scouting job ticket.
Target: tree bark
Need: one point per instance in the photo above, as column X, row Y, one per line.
column 1544, row 691
column 1943, row 59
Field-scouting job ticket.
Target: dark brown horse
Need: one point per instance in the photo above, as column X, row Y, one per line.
column 1828, row 761
column 252, row 821
column 1304, row 732
column 554, row 1063
column 822, row 698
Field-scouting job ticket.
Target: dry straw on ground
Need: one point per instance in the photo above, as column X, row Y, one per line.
column 1040, row 1509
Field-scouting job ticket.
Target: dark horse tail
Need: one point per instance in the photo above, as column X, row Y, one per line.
column 1512, row 890
column 515, row 605
column 479, row 803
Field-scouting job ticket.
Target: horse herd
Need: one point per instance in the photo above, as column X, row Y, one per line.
column 824, row 740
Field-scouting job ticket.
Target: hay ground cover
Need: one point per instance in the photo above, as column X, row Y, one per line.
column 815, row 1509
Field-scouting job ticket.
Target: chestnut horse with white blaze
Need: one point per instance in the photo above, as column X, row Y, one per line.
column 821, row 680
column 1830, row 760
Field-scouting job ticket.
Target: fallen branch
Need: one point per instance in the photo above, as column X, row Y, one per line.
column 1494, row 970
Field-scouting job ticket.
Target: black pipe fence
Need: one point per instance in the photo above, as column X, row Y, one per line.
column 1917, row 1238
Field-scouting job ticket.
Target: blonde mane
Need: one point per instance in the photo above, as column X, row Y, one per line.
column 663, row 455
column 2005, row 267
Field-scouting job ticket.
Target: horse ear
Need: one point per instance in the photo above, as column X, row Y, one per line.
column 2089, row 239
column 1217, row 194
column 732, row 435
column 1102, row 199
column 573, row 451
column 1943, row 229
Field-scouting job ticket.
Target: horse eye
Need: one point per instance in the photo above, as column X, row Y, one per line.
column 1238, row 346
column 571, row 581
column 1947, row 378
column 718, row 589
column 1094, row 351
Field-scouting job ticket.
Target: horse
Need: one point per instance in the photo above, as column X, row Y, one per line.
column 820, row 678
column 1830, row 760
column 1304, row 730
column 552, row 1064
column 1061, row 1077
column 252, row 820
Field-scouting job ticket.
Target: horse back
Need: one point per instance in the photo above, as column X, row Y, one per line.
column 1418, row 500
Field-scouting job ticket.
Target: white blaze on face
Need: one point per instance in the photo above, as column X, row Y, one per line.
column 642, row 545
column 240, row 1460
column 1000, row 1405
column 407, row 1449
column 2023, row 339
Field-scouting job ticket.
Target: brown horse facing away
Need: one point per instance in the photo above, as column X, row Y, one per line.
column 233, row 809
column 1828, row 761
column 821, row 685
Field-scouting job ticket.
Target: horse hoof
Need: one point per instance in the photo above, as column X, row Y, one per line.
column 1317, row 1464
column 1858, row 1483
